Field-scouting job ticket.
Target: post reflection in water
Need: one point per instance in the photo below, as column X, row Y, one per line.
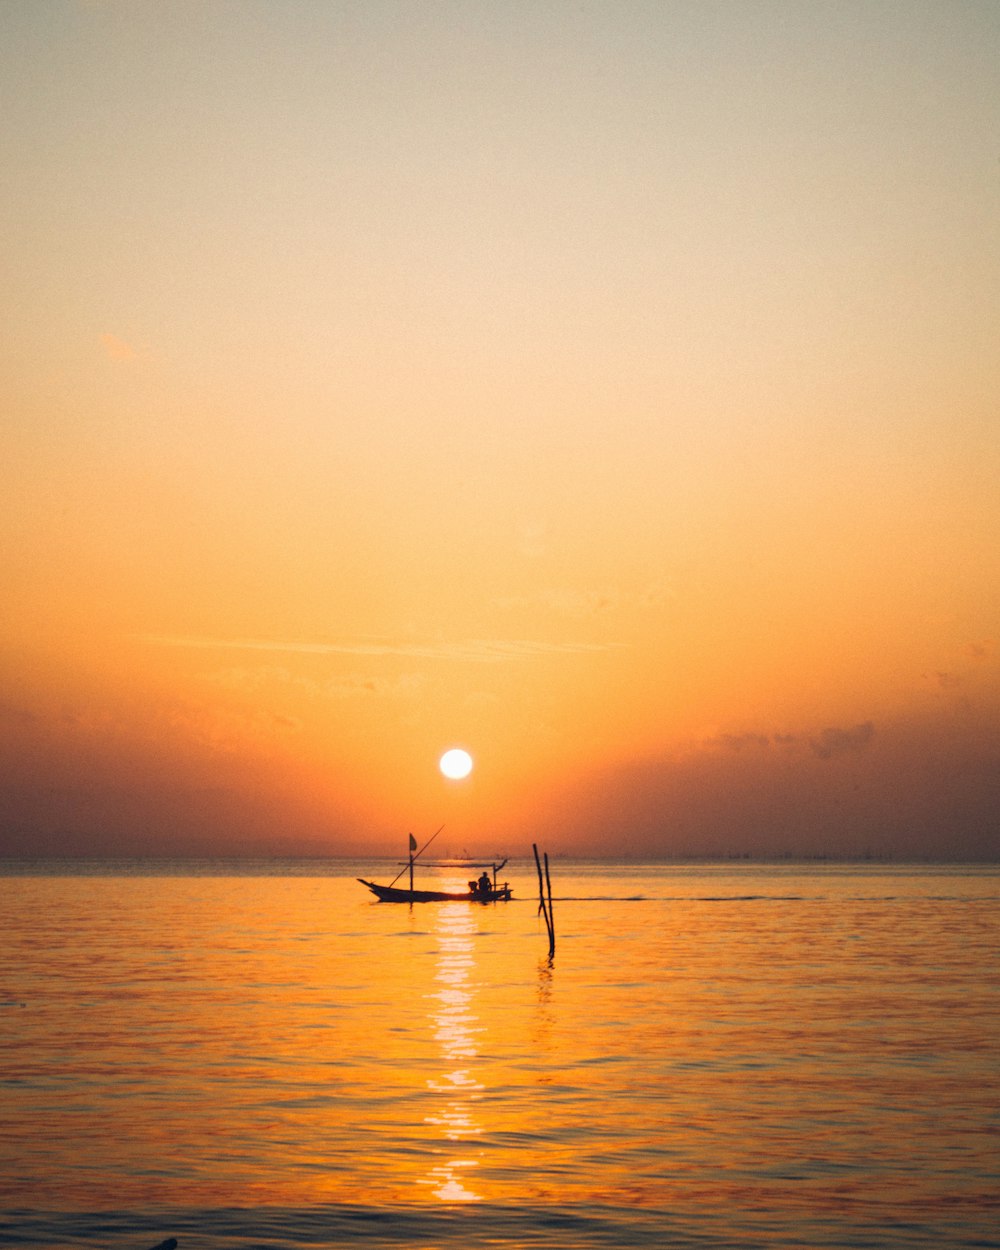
column 456, row 1028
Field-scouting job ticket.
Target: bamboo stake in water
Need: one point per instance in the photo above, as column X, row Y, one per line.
column 545, row 909
column 552, row 919
column 541, row 886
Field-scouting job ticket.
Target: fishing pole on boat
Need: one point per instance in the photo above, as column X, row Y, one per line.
column 414, row 854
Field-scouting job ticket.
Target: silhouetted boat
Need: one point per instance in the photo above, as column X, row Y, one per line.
column 484, row 889
column 393, row 894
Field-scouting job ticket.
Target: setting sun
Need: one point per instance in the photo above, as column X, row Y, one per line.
column 456, row 764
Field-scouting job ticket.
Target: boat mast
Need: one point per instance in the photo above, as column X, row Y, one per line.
column 413, row 848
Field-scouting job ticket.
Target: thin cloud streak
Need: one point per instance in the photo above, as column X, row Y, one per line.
column 117, row 348
column 479, row 651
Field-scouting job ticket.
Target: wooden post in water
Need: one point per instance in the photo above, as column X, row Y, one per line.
column 545, row 907
column 552, row 919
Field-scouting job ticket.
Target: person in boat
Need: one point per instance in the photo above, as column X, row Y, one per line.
column 483, row 887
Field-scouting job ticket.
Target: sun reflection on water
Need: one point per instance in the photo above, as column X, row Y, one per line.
column 456, row 1029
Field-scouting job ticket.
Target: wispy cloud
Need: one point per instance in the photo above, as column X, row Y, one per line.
column 479, row 651
column 835, row 741
column 16, row 715
column 116, row 348
column 259, row 677
column 589, row 601
column 825, row 744
column 740, row 742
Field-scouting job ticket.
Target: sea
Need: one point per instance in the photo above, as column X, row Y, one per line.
column 260, row 1055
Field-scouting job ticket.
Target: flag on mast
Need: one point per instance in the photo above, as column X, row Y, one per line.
column 413, row 843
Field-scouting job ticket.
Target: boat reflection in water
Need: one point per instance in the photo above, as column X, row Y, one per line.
column 456, row 1028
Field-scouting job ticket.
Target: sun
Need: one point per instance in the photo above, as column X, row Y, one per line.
column 456, row 763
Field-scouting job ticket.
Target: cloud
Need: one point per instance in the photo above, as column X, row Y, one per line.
column 17, row 716
column 581, row 602
column 826, row 744
column 479, row 651
column 533, row 539
column 831, row 742
column 738, row 742
column 116, row 348
column 407, row 686
column 252, row 680
column 924, row 786
column 588, row 601
column 656, row 594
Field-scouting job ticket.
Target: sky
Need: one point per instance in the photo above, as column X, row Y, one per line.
column 609, row 389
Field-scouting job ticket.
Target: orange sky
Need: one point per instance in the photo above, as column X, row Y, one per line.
column 610, row 390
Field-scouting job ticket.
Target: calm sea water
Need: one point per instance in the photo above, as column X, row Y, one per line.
column 716, row 1057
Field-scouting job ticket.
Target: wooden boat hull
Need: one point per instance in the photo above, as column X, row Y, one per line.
column 392, row 894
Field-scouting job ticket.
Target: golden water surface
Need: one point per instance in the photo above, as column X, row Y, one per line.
column 792, row 1054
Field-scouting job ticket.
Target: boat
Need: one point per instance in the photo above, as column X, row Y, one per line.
column 484, row 889
column 393, row 894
